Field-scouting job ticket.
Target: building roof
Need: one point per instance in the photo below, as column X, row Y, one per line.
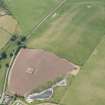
column 34, row 67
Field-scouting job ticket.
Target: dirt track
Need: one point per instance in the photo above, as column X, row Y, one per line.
column 47, row 104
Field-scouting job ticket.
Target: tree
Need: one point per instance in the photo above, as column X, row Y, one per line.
column 13, row 38
column 3, row 5
column 7, row 65
column 23, row 38
column 11, row 54
column 17, row 50
column 3, row 55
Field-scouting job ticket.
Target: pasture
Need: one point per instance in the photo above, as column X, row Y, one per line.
column 29, row 13
column 73, row 33
column 8, row 26
column 88, row 87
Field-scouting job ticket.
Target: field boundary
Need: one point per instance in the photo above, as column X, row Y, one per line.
column 45, row 19
column 35, row 27
column 82, row 66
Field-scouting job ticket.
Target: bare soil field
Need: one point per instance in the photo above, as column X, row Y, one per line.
column 33, row 68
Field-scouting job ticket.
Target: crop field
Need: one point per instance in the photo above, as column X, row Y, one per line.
column 75, row 31
column 4, row 37
column 3, row 68
column 88, row 87
column 8, row 26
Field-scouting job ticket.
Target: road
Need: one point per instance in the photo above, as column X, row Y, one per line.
column 6, row 80
column 29, row 35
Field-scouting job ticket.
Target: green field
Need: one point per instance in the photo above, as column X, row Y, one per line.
column 30, row 12
column 75, row 31
column 89, row 87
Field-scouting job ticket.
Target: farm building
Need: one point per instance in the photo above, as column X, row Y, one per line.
column 32, row 68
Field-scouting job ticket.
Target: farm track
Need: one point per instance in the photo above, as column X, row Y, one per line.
column 44, row 19
column 6, row 79
column 38, row 25
column 35, row 27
